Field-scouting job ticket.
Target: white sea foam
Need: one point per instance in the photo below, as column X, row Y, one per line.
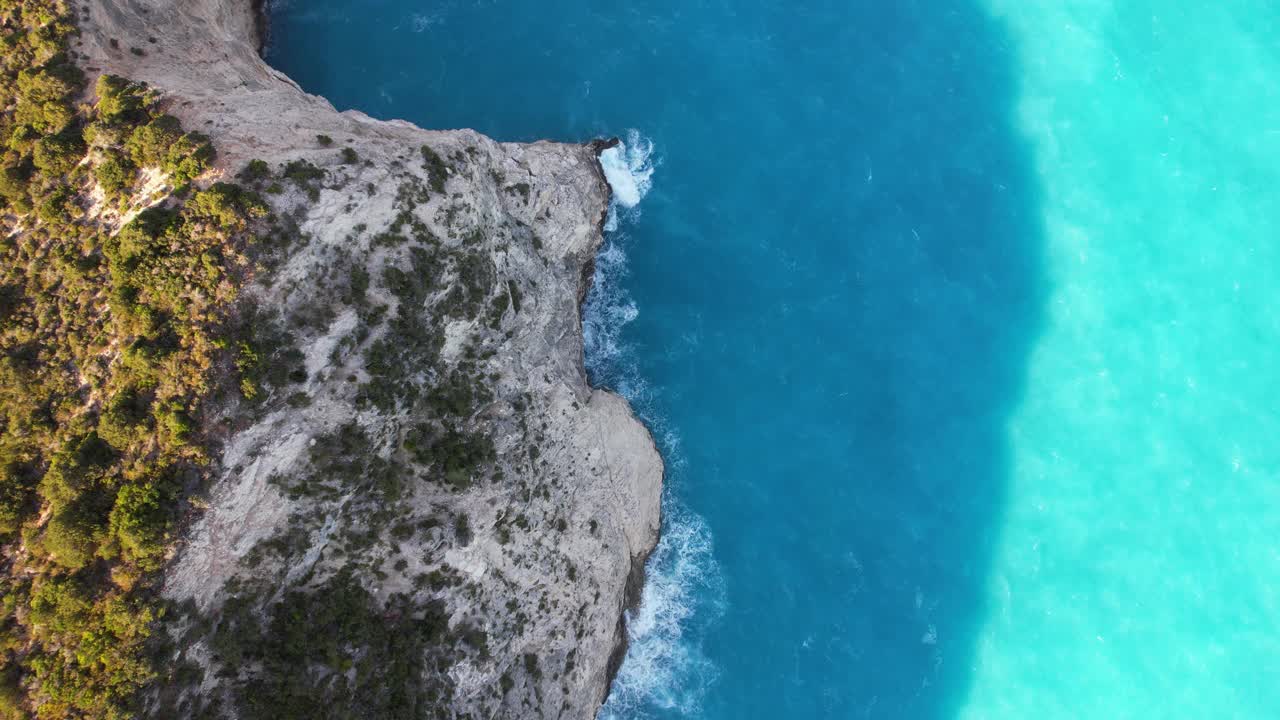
column 608, row 310
column 665, row 668
column 422, row 22
column 628, row 167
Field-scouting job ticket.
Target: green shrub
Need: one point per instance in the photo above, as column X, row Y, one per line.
column 358, row 284
column 45, row 118
column 457, row 456
column 74, row 469
column 188, row 157
column 140, row 237
column 149, row 144
column 120, row 101
column 54, row 81
column 115, row 173
column 56, row 206
column 174, row 422
column 230, row 206
column 256, row 170
column 60, row 605
column 11, row 695
column 139, row 521
column 437, row 169
column 70, row 538
column 15, row 179
column 17, row 490
column 55, row 155
column 286, row 662
column 303, row 172
column 126, row 419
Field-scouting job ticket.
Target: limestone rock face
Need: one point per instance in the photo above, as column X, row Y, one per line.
column 536, row 550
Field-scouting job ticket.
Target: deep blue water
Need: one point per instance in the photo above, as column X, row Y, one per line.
column 837, row 281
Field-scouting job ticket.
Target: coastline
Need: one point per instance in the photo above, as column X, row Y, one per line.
column 633, row 590
column 252, row 111
column 633, row 594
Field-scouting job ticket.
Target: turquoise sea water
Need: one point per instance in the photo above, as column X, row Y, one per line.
column 958, row 322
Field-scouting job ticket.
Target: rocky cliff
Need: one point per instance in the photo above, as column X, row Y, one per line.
column 433, row 445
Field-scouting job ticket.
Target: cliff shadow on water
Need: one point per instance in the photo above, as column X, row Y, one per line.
column 839, row 283
column 838, row 276
column 938, row 302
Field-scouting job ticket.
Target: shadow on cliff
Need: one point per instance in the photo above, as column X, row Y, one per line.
column 839, row 281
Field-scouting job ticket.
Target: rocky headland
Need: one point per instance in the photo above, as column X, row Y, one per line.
column 416, row 505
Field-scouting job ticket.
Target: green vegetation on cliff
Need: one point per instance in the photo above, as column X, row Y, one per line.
column 121, row 324
column 112, row 335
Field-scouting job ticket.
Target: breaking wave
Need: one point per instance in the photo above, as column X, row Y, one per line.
column 665, row 668
column 628, row 166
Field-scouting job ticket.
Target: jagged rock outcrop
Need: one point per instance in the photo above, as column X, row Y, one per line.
column 433, row 298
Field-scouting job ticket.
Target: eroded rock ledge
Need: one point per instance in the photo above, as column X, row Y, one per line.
column 430, row 282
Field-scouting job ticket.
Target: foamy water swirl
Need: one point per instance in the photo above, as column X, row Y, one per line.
column 665, row 668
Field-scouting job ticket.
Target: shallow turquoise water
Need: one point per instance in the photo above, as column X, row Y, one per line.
column 957, row 321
